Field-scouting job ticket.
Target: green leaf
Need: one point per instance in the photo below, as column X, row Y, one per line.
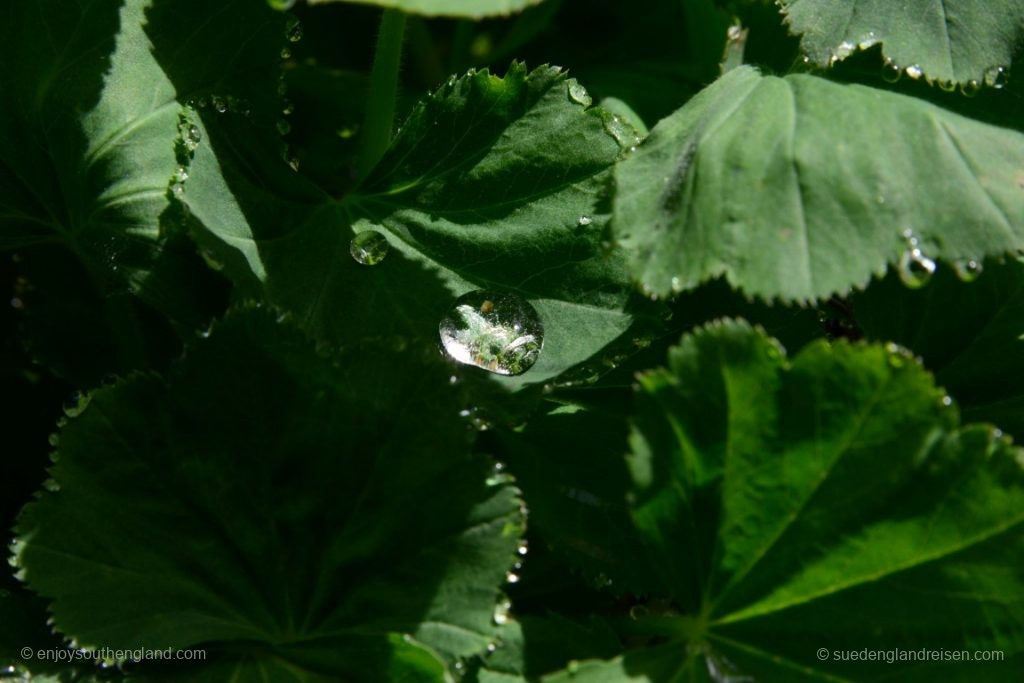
column 87, row 128
column 970, row 334
column 751, row 180
column 950, row 41
column 447, row 8
column 492, row 183
column 301, row 511
column 828, row 501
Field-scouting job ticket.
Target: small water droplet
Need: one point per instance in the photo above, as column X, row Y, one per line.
column 287, row 108
column 491, row 647
column 501, row 612
column 621, row 131
column 181, row 174
column 970, row 88
column 867, row 41
column 584, row 221
column 294, row 30
column 996, row 77
column 947, row 86
column 511, row 577
column 914, row 71
column 915, row 268
column 286, row 53
column 500, row 333
column 638, row 611
column 844, row 50
column 369, row 247
column 573, row 667
column 967, row 270
column 219, row 104
column 193, row 136
column 283, row 127
column 891, row 71
column 76, row 404
column 281, row 5
column 947, row 400
column 579, row 94
column 53, row 439
column 522, row 549
column 178, row 190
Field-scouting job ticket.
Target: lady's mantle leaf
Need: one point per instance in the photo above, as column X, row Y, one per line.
column 824, row 502
column 799, row 188
column 950, row 41
column 264, row 495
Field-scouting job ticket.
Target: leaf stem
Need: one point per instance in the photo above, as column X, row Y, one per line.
column 380, row 106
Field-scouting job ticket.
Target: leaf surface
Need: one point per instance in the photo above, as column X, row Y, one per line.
column 949, row 40
column 263, row 494
column 751, row 180
column 828, row 501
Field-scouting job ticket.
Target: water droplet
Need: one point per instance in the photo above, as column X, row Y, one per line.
column 287, row 108
column 915, row 268
column 369, row 247
column 584, row 221
column 76, row 403
column 193, row 136
column 638, row 611
column 522, row 549
column 867, row 41
column 294, row 30
column 967, row 270
column 844, row 50
column 947, row 86
column 573, row 667
column 283, row 127
column 51, row 485
column 996, row 77
column 219, row 104
column 970, row 88
column 491, row 647
column 621, row 131
column 511, row 577
column 947, row 400
column 891, row 71
column 53, row 439
column 178, row 190
column 281, row 5
column 914, row 71
column 500, row 333
column 501, row 611
column 181, row 174
column 579, row 94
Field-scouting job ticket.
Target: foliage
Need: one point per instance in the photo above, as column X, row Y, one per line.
column 499, row 393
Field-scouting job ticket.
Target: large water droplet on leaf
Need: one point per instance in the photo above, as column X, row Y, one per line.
column 623, row 133
column 500, row 333
column 369, row 247
column 915, row 268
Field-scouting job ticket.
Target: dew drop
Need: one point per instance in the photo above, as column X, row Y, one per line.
column 638, row 611
column 573, row 667
column 219, row 104
column 970, row 88
column 579, row 94
column 193, row 137
column 281, row 5
column 76, row 404
column 867, row 41
column 53, row 439
column 967, row 270
column 621, row 131
column 947, row 86
column 294, row 30
column 914, row 71
column 178, row 190
column 522, row 549
column 369, row 247
column 844, row 50
column 947, row 400
column 511, row 577
column 181, row 174
column 891, row 71
column 501, row 611
column 283, row 127
column 500, row 333
column 286, row 53
column 491, row 647
column 996, row 77
column 584, row 221
column 915, row 268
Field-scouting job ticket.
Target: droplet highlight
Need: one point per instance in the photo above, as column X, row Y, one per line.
column 915, row 269
column 967, row 270
column 579, row 94
column 369, row 247
column 500, row 333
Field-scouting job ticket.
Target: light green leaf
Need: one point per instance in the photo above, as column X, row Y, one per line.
column 970, row 334
column 950, row 41
column 447, row 8
column 300, row 510
column 798, row 188
column 824, row 502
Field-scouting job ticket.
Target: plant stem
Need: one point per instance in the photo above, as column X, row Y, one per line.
column 380, row 106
